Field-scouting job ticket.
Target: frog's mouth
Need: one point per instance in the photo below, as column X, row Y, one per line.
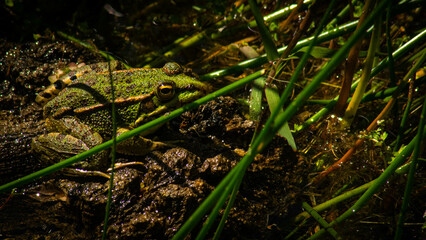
column 192, row 92
column 201, row 87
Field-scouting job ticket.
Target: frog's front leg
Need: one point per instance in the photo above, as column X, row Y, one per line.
column 138, row 145
column 68, row 137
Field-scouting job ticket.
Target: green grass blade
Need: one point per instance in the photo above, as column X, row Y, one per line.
column 226, row 213
column 256, row 95
column 340, row 15
column 214, row 213
column 389, row 46
column 317, row 52
column 113, row 152
column 365, row 77
column 403, row 123
column 222, row 189
column 410, row 177
column 278, row 14
column 319, row 219
column 268, row 43
column 273, row 100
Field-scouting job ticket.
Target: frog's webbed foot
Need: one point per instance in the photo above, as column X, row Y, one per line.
column 84, row 173
column 127, row 164
column 139, row 145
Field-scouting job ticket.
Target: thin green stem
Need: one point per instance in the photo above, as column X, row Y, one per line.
column 256, row 97
column 365, row 77
column 226, row 213
column 340, row 15
column 319, row 219
column 113, row 152
column 389, row 46
column 332, row 202
column 222, row 189
column 270, row 48
column 410, row 177
column 213, row 215
column 404, row 120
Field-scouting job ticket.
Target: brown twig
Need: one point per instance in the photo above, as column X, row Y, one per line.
column 293, row 13
column 357, row 144
column 351, row 64
column 296, row 37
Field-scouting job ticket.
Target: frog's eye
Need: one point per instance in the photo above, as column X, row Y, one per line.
column 166, row 91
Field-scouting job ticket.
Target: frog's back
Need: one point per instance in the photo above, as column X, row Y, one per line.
column 94, row 88
column 91, row 93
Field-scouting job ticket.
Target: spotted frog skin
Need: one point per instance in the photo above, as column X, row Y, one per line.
column 79, row 117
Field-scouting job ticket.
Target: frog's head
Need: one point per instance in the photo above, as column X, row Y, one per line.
column 179, row 87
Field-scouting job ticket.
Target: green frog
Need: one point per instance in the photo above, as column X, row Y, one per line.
column 79, row 117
